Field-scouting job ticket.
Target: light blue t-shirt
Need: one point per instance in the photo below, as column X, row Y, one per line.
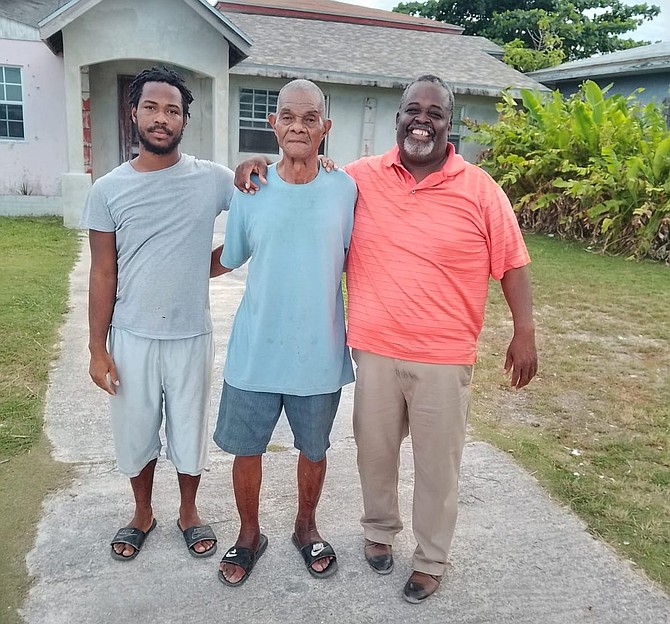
column 288, row 336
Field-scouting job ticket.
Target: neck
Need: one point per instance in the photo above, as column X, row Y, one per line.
column 296, row 171
column 148, row 161
column 421, row 171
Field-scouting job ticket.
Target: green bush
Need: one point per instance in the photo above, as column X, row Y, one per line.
column 588, row 167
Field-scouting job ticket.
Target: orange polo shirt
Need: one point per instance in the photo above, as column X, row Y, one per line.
column 421, row 256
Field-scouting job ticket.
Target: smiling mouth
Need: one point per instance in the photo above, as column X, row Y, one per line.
column 420, row 132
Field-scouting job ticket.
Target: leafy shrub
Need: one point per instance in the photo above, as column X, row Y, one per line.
column 587, row 167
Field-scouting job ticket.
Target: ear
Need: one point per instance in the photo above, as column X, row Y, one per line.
column 327, row 125
column 272, row 119
column 133, row 114
column 397, row 117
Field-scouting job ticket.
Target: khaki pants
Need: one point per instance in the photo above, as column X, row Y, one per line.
column 432, row 402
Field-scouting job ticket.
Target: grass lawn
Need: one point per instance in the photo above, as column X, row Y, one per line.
column 594, row 426
column 36, row 256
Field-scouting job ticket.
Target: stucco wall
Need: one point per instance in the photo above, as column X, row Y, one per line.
column 39, row 159
column 347, row 110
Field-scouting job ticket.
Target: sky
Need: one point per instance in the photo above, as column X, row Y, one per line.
column 658, row 30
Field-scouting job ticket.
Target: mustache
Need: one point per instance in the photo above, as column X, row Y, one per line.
column 161, row 127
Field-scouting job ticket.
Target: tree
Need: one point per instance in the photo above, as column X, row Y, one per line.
column 547, row 51
column 585, row 27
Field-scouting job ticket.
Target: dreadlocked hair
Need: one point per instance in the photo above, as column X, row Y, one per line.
column 160, row 74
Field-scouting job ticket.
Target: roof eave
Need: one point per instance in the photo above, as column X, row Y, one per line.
column 601, row 71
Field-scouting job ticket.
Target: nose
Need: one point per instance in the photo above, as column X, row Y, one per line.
column 160, row 118
column 422, row 117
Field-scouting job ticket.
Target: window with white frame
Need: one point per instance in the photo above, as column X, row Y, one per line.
column 11, row 103
column 256, row 134
column 457, row 127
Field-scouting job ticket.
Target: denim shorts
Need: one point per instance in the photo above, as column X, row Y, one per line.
column 247, row 420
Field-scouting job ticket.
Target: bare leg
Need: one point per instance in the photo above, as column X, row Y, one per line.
column 247, row 478
column 142, row 485
column 311, row 476
column 188, row 512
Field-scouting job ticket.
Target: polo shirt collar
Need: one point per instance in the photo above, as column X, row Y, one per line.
column 454, row 165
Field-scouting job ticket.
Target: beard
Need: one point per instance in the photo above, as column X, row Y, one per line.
column 418, row 149
column 159, row 150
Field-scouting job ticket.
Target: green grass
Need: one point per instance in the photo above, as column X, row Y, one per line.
column 36, row 256
column 594, row 426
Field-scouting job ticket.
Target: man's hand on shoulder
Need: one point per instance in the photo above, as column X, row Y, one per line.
column 255, row 164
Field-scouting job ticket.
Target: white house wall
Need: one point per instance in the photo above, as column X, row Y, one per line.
column 38, row 160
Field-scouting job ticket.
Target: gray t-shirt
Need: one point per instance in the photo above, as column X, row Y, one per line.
column 164, row 224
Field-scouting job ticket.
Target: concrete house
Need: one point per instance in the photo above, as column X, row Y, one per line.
column 65, row 67
column 627, row 70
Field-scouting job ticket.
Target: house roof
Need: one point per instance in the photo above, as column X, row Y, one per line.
column 643, row 59
column 330, row 10
column 361, row 54
column 29, row 12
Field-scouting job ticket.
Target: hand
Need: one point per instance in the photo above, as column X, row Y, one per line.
column 521, row 358
column 327, row 163
column 244, row 171
column 103, row 372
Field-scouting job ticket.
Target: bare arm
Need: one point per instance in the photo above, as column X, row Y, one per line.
column 521, row 357
column 101, row 299
column 215, row 268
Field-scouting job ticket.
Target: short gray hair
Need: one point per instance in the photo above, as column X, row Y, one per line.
column 300, row 84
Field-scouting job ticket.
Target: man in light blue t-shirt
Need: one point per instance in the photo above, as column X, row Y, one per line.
column 287, row 348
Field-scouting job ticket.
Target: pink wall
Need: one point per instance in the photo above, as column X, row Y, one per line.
column 41, row 158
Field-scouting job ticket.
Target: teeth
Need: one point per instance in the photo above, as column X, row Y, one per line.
column 420, row 132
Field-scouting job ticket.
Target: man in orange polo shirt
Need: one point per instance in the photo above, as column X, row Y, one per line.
column 429, row 231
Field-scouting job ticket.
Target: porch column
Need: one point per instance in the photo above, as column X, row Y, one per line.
column 76, row 183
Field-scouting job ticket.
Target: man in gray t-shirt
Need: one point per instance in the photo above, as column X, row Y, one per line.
column 151, row 223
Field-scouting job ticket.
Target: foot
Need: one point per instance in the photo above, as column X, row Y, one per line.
column 420, row 586
column 311, row 536
column 128, row 542
column 379, row 556
column 311, row 552
column 144, row 523
column 189, row 519
column 234, row 574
